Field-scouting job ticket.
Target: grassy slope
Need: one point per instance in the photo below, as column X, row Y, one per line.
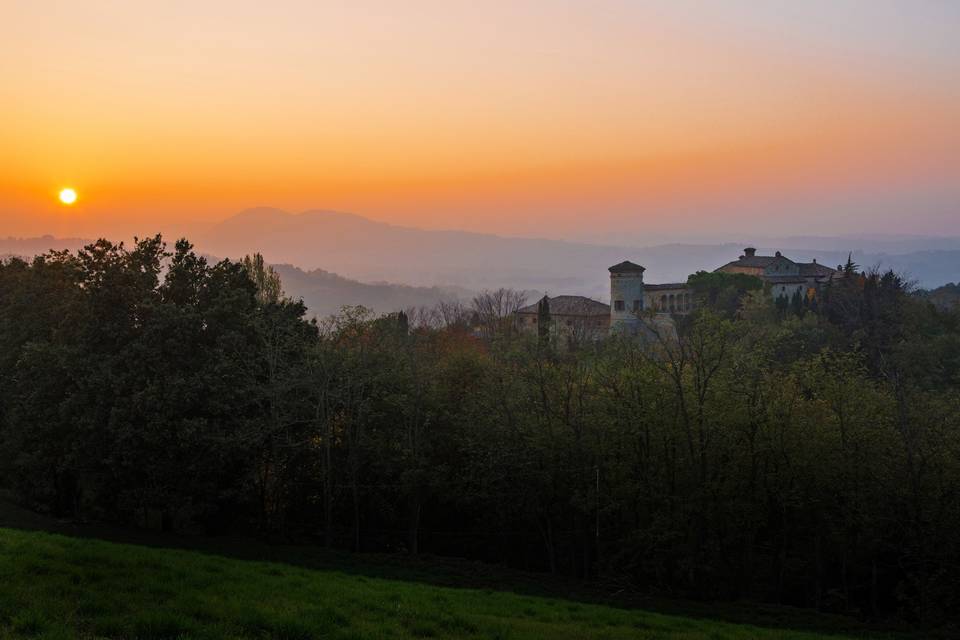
column 58, row 587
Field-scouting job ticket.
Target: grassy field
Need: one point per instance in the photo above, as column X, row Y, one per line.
column 53, row 586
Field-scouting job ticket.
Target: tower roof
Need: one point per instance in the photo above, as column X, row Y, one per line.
column 626, row 267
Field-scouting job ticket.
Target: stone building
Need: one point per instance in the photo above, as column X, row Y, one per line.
column 630, row 297
column 675, row 297
column 785, row 276
column 627, row 300
column 576, row 317
column 582, row 318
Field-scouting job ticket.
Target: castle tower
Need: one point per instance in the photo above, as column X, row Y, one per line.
column 626, row 296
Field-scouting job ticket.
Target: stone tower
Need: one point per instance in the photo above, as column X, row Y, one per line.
column 626, row 296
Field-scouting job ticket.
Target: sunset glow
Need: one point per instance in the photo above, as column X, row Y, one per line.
column 68, row 196
column 566, row 120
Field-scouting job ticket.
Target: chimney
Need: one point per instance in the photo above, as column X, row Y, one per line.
column 749, row 252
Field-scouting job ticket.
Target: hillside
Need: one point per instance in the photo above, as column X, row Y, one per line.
column 41, row 244
column 325, row 293
column 372, row 251
column 367, row 250
column 944, row 298
column 60, row 587
column 334, row 259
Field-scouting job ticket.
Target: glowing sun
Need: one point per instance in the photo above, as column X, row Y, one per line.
column 68, row 196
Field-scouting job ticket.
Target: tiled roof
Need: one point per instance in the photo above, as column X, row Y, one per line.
column 626, row 267
column 571, row 306
column 815, row 269
column 758, row 262
column 808, row 269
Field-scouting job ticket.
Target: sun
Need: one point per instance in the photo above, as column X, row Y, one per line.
column 68, row 196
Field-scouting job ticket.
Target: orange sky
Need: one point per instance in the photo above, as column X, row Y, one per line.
column 561, row 119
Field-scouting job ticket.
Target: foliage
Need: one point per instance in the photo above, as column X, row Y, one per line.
column 944, row 298
column 808, row 457
column 722, row 291
column 265, row 278
column 494, row 311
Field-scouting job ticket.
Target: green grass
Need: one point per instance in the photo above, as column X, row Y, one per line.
column 53, row 586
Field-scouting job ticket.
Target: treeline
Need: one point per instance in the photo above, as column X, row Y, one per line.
column 946, row 297
column 807, row 456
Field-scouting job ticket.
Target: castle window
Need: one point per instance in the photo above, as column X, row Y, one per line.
column 618, row 305
column 636, row 305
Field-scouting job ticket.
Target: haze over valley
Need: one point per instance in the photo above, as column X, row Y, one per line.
column 579, row 320
column 332, row 259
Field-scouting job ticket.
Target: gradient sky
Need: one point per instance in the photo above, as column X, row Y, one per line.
column 584, row 120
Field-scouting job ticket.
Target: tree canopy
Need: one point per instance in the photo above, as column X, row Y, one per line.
column 809, row 458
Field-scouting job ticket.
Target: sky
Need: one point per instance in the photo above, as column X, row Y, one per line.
column 602, row 120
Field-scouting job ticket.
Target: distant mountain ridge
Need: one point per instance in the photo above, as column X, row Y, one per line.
column 40, row 244
column 333, row 258
column 326, row 293
column 367, row 250
column 323, row 292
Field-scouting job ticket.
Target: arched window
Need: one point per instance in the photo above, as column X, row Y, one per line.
column 663, row 302
column 673, row 305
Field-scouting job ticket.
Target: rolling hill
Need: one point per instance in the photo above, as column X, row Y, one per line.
column 61, row 587
column 332, row 259
column 325, row 293
column 322, row 291
column 366, row 250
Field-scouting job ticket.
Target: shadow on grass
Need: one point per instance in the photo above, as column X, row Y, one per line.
column 455, row 572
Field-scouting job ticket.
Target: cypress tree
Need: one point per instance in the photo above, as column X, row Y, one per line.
column 796, row 303
column 543, row 319
column 782, row 304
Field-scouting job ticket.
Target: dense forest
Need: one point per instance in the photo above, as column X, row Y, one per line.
column 802, row 451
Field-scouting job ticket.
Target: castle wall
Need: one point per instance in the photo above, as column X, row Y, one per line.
column 750, row 271
column 678, row 300
column 788, row 289
column 563, row 323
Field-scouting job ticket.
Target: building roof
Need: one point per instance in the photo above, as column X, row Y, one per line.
column 626, row 267
column 807, row 269
column 756, row 262
column 571, row 306
column 665, row 287
column 815, row 269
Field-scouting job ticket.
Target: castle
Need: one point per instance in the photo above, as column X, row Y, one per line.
column 583, row 317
